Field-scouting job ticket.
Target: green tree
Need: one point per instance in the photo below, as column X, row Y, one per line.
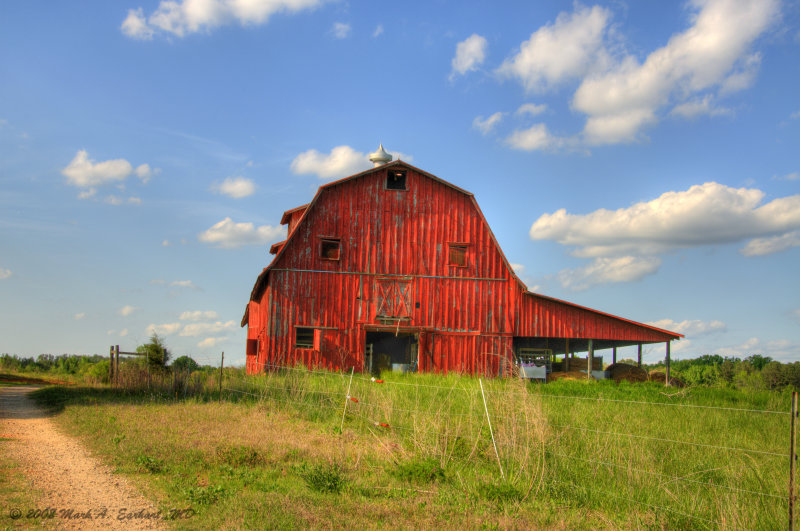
column 758, row 361
column 156, row 351
column 773, row 375
column 727, row 370
column 184, row 363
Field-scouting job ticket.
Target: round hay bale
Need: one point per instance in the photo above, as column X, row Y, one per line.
column 622, row 372
column 660, row 377
column 571, row 375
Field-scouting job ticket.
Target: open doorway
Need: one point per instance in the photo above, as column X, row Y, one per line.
column 387, row 351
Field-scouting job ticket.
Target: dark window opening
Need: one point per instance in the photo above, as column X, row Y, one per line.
column 330, row 249
column 458, row 255
column 396, row 180
column 304, row 337
column 252, row 347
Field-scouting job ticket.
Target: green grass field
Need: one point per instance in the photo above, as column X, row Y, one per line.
column 417, row 451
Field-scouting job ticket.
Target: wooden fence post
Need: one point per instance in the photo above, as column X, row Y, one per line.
column 221, row 363
column 590, row 359
column 111, row 365
column 116, row 364
column 666, row 380
column 792, row 458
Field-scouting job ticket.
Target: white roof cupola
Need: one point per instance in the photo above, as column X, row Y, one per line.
column 380, row 157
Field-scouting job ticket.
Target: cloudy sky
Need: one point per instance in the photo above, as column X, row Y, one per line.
column 641, row 158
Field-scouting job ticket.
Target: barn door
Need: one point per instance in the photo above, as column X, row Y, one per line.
column 393, row 298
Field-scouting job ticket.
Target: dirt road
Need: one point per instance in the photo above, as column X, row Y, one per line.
column 84, row 493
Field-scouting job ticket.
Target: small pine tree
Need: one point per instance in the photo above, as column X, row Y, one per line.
column 156, row 351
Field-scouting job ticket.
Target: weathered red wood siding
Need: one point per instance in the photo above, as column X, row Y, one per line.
column 466, row 317
column 385, row 235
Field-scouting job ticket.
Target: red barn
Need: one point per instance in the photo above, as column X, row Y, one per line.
column 396, row 267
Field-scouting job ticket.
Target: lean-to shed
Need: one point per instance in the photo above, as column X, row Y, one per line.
column 397, row 267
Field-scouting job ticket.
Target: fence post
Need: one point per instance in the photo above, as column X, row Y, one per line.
column 221, row 363
column 116, row 364
column 111, row 365
column 792, row 459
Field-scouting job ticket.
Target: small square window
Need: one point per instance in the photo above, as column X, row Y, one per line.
column 330, row 249
column 304, row 337
column 396, row 180
column 458, row 255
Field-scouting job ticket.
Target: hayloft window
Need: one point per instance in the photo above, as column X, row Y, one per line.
column 304, row 337
column 396, row 180
column 330, row 249
column 457, row 255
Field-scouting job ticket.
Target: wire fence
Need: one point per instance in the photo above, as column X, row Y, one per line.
column 704, row 465
column 672, row 458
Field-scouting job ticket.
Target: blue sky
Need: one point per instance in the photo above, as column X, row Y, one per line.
column 640, row 158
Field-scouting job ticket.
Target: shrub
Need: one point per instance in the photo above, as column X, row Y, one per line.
column 420, row 470
column 328, row 478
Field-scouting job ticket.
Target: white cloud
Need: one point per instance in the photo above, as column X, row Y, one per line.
column 183, row 284
column 87, row 194
column 5, row 273
column 199, row 329
column 236, row 187
column 485, row 126
column 690, row 328
column 705, row 214
column 340, row 30
column 795, row 115
column 184, row 17
column 711, row 53
column 519, row 269
column 780, row 350
column 796, row 314
column 788, row 177
column 536, row 137
column 79, row 316
column 229, row 235
column 116, row 200
column 165, row 243
column 470, row 54
column 210, row 342
column 378, row 30
column 700, row 107
column 123, row 332
column 342, row 161
column 743, row 77
column 570, row 48
column 84, row 172
column 774, row 244
column 135, row 25
column 162, row 329
column 530, row 109
column 198, row 315
column 127, row 310
column 144, row 172
column 603, row 270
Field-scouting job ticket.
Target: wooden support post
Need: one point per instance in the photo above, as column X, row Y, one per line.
column 116, row 363
column 590, row 359
column 614, row 355
column 792, row 458
column 667, row 380
column 111, row 364
column 639, row 356
column 221, row 364
column 566, row 356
